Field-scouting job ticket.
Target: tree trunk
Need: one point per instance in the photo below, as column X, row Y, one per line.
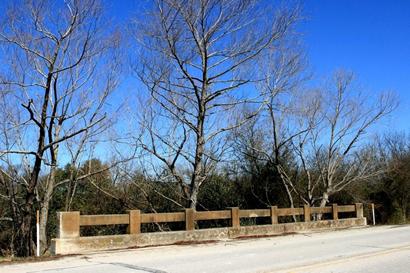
column 291, row 203
column 197, row 176
column 325, row 199
column 25, row 243
column 45, row 208
column 194, row 198
column 24, row 237
column 285, row 185
column 71, row 188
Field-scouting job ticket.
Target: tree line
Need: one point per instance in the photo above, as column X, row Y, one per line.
column 190, row 103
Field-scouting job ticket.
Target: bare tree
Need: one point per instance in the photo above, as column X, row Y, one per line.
column 333, row 155
column 269, row 137
column 283, row 78
column 54, row 71
column 193, row 63
column 316, row 140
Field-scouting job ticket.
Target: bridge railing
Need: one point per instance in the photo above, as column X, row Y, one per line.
column 69, row 223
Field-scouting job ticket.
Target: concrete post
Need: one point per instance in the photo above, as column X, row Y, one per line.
column 306, row 213
column 373, row 214
column 134, row 226
column 189, row 219
column 335, row 212
column 68, row 224
column 235, row 221
column 359, row 210
column 274, row 215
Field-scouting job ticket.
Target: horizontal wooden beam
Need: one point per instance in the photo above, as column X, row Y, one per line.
column 162, row 217
column 289, row 211
column 212, row 215
column 105, row 219
column 321, row 210
column 251, row 213
column 347, row 208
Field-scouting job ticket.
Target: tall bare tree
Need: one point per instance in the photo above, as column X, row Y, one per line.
column 194, row 59
column 317, row 138
column 333, row 154
column 268, row 138
column 57, row 89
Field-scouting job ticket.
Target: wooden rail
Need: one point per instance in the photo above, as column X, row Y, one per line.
column 70, row 222
column 107, row 219
column 212, row 215
column 147, row 218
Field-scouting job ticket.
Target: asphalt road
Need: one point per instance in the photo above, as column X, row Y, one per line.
column 375, row 249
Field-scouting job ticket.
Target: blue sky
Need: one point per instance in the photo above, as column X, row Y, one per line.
column 369, row 37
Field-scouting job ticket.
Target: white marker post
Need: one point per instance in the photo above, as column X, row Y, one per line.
column 38, row 233
column 373, row 215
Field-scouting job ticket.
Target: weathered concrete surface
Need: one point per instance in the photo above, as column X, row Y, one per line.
column 95, row 243
column 69, row 224
column 359, row 250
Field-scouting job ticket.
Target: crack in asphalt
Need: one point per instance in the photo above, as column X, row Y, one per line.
column 373, row 246
column 129, row 266
column 136, row 267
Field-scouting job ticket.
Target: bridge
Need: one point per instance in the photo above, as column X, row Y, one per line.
column 70, row 241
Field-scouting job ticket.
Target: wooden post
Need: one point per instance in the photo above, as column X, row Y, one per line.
column 134, row 226
column 335, row 212
column 306, row 212
column 189, row 219
column 235, row 221
column 68, row 224
column 274, row 214
column 359, row 210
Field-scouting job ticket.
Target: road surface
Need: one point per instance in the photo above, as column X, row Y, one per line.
column 374, row 249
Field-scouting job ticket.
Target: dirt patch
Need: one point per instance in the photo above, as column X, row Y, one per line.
column 15, row 260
